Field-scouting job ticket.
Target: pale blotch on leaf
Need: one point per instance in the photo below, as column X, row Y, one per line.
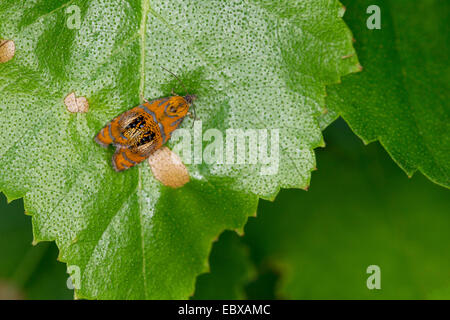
column 76, row 104
column 168, row 168
column 7, row 50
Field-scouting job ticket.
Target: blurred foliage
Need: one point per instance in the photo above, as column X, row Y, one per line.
column 360, row 210
column 401, row 98
column 27, row 271
column 231, row 270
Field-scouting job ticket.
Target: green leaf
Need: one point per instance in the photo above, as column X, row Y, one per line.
column 26, row 271
column 231, row 270
column 402, row 96
column 253, row 64
column 361, row 210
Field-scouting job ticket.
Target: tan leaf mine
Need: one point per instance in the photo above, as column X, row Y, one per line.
column 168, row 168
column 75, row 104
column 7, row 50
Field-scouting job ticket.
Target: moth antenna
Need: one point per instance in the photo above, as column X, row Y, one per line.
column 176, row 77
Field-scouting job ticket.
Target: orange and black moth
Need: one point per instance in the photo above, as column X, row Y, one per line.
column 139, row 132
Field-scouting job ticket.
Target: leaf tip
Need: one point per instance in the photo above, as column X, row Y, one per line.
column 341, row 11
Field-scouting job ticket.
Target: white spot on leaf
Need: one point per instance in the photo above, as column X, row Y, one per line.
column 76, row 104
column 168, row 168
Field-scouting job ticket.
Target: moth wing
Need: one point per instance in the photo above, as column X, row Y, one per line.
column 125, row 158
column 113, row 132
column 104, row 137
column 146, row 149
column 127, row 117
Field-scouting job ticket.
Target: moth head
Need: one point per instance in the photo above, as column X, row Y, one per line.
column 178, row 107
column 190, row 98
